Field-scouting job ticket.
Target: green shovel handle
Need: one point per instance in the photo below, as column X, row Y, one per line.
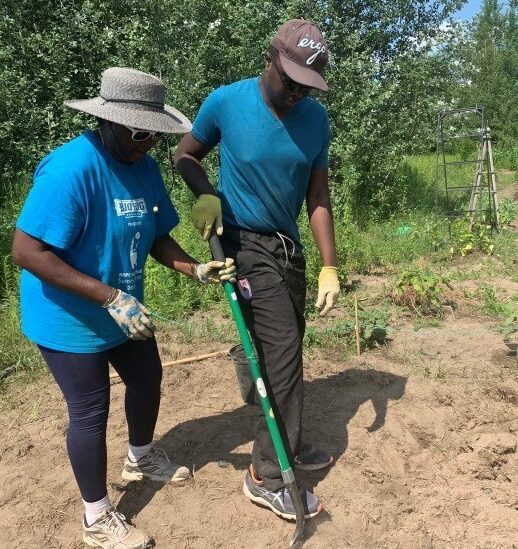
column 287, row 472
column 244, row 336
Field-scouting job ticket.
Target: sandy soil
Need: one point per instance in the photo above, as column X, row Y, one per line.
column 424, row 432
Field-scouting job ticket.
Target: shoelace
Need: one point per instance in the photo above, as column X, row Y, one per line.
column 283, row 239
column 157, row 451
column 116, row 522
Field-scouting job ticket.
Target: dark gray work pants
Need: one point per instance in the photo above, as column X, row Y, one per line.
column 271, row 289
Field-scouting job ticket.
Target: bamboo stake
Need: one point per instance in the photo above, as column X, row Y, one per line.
column 356, row 325
column 185, row 360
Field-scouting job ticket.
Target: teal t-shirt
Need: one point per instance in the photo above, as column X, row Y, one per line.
column 97, row 215
column 265, row 163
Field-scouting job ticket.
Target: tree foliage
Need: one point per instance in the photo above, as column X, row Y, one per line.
column 382, row 77
column 487, row 57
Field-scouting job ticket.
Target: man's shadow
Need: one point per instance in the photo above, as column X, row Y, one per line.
column 330, row 403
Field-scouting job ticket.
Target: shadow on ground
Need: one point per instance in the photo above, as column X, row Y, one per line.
column 330, row 404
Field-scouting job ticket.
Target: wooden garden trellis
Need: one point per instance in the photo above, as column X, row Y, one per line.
column 484, row 182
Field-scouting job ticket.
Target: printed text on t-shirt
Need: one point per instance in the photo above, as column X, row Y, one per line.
column 130, row 208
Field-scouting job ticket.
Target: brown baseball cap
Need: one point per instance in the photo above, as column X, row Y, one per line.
column 303, row 52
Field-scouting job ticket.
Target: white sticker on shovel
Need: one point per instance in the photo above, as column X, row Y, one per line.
column 261, row 389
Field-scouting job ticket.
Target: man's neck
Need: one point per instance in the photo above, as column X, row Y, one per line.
column 276, row 111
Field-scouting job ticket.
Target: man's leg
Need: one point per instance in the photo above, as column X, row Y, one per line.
column 271, row 289
column 272, row 322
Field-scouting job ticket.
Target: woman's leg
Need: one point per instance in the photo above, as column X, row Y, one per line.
column 138, row 363
column 84, row 381
column 139, row 366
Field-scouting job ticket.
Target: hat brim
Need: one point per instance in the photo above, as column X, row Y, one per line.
column 166, row 120
column 301, row 75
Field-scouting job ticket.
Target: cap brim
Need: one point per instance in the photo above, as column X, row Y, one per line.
column 301, row 75
column 166, row 120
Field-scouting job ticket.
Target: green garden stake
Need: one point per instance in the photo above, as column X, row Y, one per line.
column 287, row 472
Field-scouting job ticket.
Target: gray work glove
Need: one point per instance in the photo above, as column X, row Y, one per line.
column 131, row 316
column 215, row 272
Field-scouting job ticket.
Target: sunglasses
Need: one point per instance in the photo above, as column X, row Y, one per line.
column 142, row 135
column 290, row 85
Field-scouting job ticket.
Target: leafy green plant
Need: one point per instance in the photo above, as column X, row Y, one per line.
column 372, row 327
column 507, row 211
column 490, row 303
column 465, row 241
column 420, row 290
column 509, row 328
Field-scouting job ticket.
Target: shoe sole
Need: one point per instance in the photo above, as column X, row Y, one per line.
column 264, row 503
column 93, row 543
column 311, row 466
column 126, row 475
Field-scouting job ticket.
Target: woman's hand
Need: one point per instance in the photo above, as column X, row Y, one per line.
column 215, row 272
column 131, row 316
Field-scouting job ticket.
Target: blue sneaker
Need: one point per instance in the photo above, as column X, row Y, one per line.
column 279, row 501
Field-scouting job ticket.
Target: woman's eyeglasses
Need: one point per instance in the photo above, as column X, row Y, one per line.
column 142, row 135
column 290, row 85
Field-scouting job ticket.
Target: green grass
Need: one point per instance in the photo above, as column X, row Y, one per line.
column 379, row 247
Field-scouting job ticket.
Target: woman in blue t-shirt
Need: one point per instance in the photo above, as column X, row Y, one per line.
column 97, row 209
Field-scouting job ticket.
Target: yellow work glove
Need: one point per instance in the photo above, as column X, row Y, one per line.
column 207, row 212
column 328, row 289
column 215, row 272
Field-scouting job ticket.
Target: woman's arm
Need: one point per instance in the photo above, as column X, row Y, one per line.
column 38, row 258
column 168, row 252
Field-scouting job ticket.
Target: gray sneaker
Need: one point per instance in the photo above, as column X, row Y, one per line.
column 279, row 501
column 112, row 531
column 312, row 459
column 155, row 466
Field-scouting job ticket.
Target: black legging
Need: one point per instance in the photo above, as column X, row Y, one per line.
column 84, row 380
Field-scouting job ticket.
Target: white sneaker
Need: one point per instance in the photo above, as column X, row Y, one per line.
column 155, row 466
column 112, row 531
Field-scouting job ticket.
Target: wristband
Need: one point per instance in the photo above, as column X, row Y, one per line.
column 111, row 297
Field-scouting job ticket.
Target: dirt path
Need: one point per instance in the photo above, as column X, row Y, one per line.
column 424, row 434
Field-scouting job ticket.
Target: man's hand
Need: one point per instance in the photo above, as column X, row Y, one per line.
column 216, row 272
column 328, row 289
column 131, row 316
column 207, row 212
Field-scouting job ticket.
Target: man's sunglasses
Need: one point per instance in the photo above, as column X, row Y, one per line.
column 142, row 135
column 290, row 85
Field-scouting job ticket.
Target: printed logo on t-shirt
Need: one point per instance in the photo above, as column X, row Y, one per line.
column 130, row 208
column 133, row 250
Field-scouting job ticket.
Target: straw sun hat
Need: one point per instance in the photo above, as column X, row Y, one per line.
column 133, row 98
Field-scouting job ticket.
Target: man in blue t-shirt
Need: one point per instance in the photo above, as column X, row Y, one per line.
column 273, row 144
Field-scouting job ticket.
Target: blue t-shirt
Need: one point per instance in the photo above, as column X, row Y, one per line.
column 265, row 163
column 97, row 215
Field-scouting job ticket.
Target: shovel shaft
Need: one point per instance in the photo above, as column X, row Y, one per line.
column 244, row 336
column 287, row 472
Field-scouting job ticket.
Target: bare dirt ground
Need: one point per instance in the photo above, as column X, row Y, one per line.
column 424, row 432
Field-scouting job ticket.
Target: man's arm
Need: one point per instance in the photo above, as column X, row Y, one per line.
column 320, row 215
column 187, row 160
column 207, row 210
